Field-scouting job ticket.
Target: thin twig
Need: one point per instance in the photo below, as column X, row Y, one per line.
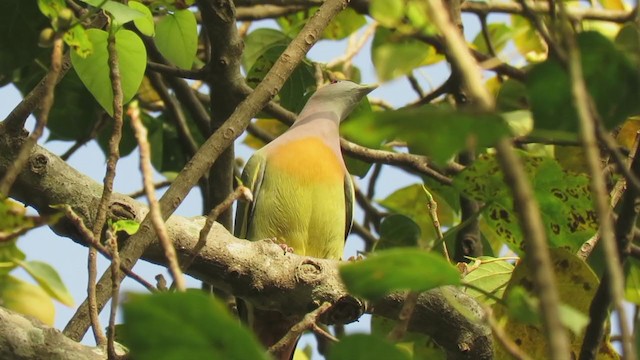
column 308, row 322
column 503, row 338
column 159, row 185
column 87, row 236
column 154, row 209
column 115, row 294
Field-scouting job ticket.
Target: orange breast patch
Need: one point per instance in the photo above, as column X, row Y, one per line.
column 308, row 159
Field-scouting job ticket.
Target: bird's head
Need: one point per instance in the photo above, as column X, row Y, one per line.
column 341, row 96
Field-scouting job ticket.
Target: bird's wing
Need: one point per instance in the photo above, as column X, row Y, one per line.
column 349, row 195
column 252, row 177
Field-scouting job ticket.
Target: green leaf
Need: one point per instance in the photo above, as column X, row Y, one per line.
column 344, row 24
column 27, row 299
column 145, row 24
column 258, row 42
column 438, row 132
column 128, row 226
column 51, row 8
column 365, row 347
column 628, row 41
column 388, row 13
column 120, row 13
column 394, row 55
column 398, row 231
column 512, row 96
column 78, row 40
column 296, row 90
column 47, row 277
column 397, row 269
column 489, row 274
column 564, row 199
column 10, row 256
column 177, row 38
column 189, row 325
column 527, row 39
column 632, row 278
column 499, row 33
column 412, row 201
column 576, row 283
column 94, row 70
column 610, row 78
column 23, row 20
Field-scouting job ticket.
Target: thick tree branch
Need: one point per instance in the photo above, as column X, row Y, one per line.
column 241, row 267
column 25, row 339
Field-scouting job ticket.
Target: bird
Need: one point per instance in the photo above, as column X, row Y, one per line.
column 302, row 193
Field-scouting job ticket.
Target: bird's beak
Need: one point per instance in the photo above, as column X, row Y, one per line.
column 367, row 88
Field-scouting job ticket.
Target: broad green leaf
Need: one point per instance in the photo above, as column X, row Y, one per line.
column 489, row 274
column 512, row 96
column 177, row 38
column 120, row 13
column 344, row 24
column 412, row 202
column 395, row 270
column 576, row 284
column 23, row 20
column 259, row 41
column 628, row 41
column 365, row 347
column 190, row 325
column 527, row 40
column 499, row 33
column 388, row 13
column 27, row 299
column 13, row 217
column 78, row 40
column 47, row 277
column 438, row 132
column 398, row 231
column 632, row 278
column 10, row 256
column 296, row 90
column 145, row 24
column 396, row 55
column 128, row 226
column 612, row 81
column 51, row 8
column 564, row 199
column 94, row 69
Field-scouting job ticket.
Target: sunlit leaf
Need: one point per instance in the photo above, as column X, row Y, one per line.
column 564, row 200
column 438, row 132
column 177, row 37
column 397, row 269
column 499, row 33
column 47, row 277
column 490, row 275
column 145, row 24
column 344, row 24
column 395, row 55
column 27, row 299
column 94, row 69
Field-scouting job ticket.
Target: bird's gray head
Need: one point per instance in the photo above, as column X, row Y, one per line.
column 341, row 96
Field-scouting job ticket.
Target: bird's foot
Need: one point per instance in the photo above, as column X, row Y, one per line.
column 286, row 248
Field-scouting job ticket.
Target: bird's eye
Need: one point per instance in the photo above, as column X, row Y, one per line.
column 335, row 81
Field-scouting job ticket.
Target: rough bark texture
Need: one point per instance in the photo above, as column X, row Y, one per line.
column 246, row 269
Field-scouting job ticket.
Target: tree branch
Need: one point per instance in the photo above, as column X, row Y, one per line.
column 241, row 267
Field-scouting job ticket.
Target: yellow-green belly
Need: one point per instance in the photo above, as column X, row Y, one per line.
column 302, row 200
